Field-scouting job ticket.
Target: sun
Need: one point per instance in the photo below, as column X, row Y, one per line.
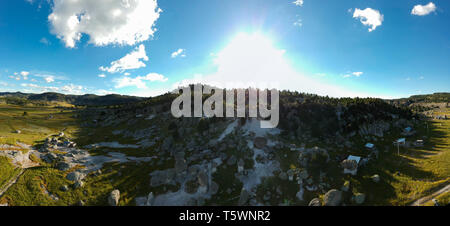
column 250, row 58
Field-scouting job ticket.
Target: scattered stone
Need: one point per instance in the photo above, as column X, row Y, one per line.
column 214, row 188
column 290, row 174
column 150, row 199
column 202, row 181
column 303, row 175
column 332, row 198
column 260, row 142
column 376, row 178
column 435, row 202
column 64, row 188
column 49, row 158
column 283, row 176
column 243, row 199
column 78, row 184
column 359, row 198
column 232, row 160
column 315, row 202
column 241, row 164
column 63, row 166
column 113, row 199
column 75, row 176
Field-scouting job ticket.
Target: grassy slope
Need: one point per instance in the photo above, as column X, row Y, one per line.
column 35, row 126
column 417, row 172
column 7, row 170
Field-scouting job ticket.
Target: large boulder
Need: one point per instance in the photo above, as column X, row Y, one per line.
column 315, row 202
column 243, row 199
column 214, row 188
column 63, row 166
column 49, row 158
column 113, row 199
column 376, row 178
column 260, row 142
column 332, row 198
column 75, row 176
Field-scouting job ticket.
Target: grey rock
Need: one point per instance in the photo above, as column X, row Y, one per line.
column 113, row 199
column 376, row 178
column 78, row 184
column 75, row 176
column 64, row 188
column 243, row 198
column 214, row 188
column 232, row 160
column 332, row 198
column 359, row 198
column 315, row 202
column 63, row 166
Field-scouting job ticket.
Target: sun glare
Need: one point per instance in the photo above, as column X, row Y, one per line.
column 251, row 57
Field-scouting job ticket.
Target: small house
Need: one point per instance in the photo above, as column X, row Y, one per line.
column 418, row 143
column 408, row 129
column 401, row 141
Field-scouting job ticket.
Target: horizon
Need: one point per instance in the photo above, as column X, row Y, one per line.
column 381, row 49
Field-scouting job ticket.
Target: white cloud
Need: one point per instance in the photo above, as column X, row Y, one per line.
column 140, row 81
column 298, row 2
column 423, row 10
column 179, row 52
column 72, row 89
column 49, row 78
column 29, row 85
column 130, row 61
column 18, row 76
column 123, row 22
column 298, row 23
column 25, row 73
column 45, row 41
column 102, row 76
column 369, row 17
column 355, row 74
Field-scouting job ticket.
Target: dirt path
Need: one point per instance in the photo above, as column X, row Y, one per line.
column 425, row 199
column 11, row 182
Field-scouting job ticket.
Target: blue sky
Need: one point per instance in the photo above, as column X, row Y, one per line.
column 379, row 48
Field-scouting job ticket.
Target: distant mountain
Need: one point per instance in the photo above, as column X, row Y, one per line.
column 87, row 99
column 427, row 98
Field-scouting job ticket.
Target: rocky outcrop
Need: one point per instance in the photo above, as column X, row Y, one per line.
column 332, row 198
column 315, row 202
column 113, row 198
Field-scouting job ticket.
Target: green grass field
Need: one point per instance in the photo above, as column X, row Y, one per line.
column 7, row 170
column 38, row 123
column 416, row 173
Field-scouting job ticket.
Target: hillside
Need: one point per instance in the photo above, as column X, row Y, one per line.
column 78, row 100
column 152, row 158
